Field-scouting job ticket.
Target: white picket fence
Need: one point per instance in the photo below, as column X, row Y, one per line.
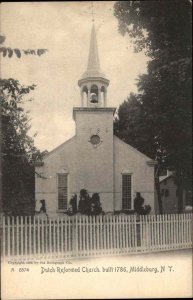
column 87, row 236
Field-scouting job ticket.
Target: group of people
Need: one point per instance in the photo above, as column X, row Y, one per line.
column 87, row 205
column 92, row 206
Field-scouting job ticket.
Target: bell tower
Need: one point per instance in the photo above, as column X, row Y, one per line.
column 93, row 83
column 94, row 131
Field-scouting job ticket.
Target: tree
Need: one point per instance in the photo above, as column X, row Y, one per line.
column 136, row 125
column 16, row 145
column 17, row 148
column 8, row 51
column 163, row 30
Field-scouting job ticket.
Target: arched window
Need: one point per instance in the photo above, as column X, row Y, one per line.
column 94, row 94
column 84, row 96
column 103, row 95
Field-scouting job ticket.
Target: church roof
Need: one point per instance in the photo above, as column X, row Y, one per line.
column 93, row 66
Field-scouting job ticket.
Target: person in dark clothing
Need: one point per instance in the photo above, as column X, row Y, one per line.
column 139, row 205
column 43, row 207
column 73, row 203
column 95, row 204
column 84, row 202
column 138, row 202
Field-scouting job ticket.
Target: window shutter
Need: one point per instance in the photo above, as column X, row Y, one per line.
column 126, row 191
column 62, row 191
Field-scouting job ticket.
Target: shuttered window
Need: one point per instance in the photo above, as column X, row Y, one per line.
column 62, row 191
column 126, row 191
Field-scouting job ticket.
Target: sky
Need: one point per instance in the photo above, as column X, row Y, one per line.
column 64, row 29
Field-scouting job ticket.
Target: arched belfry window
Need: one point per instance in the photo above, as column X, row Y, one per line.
column 84, row 96
column 94, row 94
column 103, row 96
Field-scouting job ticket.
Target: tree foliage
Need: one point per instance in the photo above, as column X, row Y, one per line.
column 160, row 27
column 135, row 126
column 9, row 52
column 163, row 30
column 17, row 148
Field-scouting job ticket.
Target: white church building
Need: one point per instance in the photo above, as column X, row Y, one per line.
column 94, row 159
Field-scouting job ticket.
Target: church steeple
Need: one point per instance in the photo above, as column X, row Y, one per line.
column 93, row 83
column 93, row 66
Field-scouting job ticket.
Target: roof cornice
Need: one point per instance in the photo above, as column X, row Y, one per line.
column 93, row 109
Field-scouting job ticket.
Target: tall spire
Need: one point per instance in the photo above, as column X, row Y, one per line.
column 93, row 67
column 93, row 84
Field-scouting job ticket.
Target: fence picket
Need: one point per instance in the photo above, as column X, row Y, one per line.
column 84, row 234
column 38, row 228
column 107, row 231
column 151, row 233
column 13, row 235
column 98, row 234
column 126, row 233
column 65, row 237
column 4, row 239
column 34, row 236
column 143, row 227
column 166, row 231
column 46, row 235
column 87, row 236
column 30, row 237
column 122, row 233
column 58, row 237
column 80, row 233
column 25, row 236
column 21, row 234
column 8, row 237
column 62, row 235
column 190, row 229
column 129, row 232
column 147, row 233
column 186, row 226
column 173, row 230
column 177, row 230
column 50, row 236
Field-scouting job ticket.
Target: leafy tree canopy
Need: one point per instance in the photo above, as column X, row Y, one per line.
column 8, row 51
column 17, row 147
column 160, row 27
column 161, row 112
